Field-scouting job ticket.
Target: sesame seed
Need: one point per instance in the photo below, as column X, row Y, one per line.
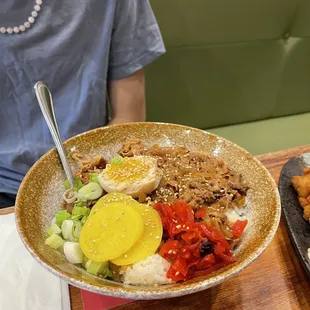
column 90, row 251
column 123, row 212
column 177, row 273
column 94, row 241
column 178, row 226
column 157, row 237
column 187, row 227
column 124, row 229
column 170, row 251
column 109, row 217
column 117, row 218
column 142, row 213
column 123, row 236
column 151, row 234
column 95, row 252
column 126, row 255
column 89, row 225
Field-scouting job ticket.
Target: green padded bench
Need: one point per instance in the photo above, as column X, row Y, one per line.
column 238, row 68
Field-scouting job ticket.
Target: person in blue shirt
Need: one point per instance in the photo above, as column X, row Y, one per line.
column 85, row 51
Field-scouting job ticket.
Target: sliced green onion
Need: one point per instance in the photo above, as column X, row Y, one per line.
column 54, row 229
column 61, row 216
column 76, row 217
column 67, row 228
column 96, row 268
column 91, row 191
column 94, row 177
column 116, row 160
column 77, row 227
column 85, row 260
column 54, row 241
column 71, row 230
column 79, row 203
column 67, row 184
column 108, row 273
column 87, row 264
column 83, row 220
column 80, row 211
column 73, row 252
column 77, row 184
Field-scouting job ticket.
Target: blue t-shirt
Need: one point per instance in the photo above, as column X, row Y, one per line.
column 74, row 46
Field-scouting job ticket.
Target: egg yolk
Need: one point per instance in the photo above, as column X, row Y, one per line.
column 130, row 169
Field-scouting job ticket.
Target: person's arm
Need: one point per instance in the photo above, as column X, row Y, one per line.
column 136, row 41
column 127, row 99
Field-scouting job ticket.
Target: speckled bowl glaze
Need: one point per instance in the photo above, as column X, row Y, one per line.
column 40, row 196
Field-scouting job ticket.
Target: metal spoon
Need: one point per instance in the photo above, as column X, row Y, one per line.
column 46, row 104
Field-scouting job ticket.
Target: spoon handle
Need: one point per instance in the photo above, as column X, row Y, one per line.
column 45, row 101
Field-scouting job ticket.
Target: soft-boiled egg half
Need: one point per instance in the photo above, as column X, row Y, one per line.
column 132, row 176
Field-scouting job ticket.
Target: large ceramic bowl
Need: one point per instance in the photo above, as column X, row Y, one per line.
column 40, row 196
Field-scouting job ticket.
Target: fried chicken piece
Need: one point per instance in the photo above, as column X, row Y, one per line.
column 307, row 212
column 302, row 185
column 304, row 201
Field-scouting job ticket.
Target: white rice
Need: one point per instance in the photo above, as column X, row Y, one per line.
column 234, row 214
column 150, row 271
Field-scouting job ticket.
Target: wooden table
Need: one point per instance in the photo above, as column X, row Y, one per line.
column 276, row 280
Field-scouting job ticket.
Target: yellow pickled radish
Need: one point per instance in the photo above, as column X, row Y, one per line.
column 150, row 240
column 112, row 197
column 111, row 232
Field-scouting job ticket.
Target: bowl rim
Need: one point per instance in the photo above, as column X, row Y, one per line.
column 135, row 292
